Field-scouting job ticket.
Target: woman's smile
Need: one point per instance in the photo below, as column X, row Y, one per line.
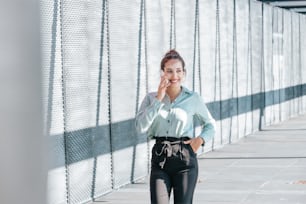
column 173, row 80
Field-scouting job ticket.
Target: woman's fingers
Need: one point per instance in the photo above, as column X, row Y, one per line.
column 187, row 142
column 164, row 82
column 191, row 143
column 194, row 143
column 162, row 87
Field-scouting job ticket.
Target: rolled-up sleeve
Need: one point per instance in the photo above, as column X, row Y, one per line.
column 148, row 111
column 207, row 121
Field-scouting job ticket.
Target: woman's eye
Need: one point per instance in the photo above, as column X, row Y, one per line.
column 169, row 72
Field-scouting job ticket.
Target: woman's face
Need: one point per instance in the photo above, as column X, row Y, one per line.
column 174, row 72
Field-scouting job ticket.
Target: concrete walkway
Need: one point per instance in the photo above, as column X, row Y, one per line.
column 267, row 167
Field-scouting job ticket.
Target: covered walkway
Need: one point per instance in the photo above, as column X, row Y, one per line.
column 74, row 74
column 267, row 167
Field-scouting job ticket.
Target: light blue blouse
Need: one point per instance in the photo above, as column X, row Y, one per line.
column 176, row 119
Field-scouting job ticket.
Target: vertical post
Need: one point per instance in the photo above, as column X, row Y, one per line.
column 22, row 172
column 262, row 72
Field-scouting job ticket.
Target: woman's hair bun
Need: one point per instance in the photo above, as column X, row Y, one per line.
column 171, row 54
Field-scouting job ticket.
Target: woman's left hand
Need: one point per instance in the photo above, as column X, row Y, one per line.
column 195, row 143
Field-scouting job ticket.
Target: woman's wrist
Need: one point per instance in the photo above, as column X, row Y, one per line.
column 202, row 140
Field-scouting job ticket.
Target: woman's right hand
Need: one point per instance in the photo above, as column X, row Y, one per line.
column 163, row 85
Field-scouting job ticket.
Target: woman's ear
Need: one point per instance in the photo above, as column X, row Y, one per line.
column 184, row 76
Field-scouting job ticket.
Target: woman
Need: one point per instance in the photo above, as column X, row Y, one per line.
column 167, row 116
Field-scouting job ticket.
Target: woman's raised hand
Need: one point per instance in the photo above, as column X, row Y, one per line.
column 163, row 85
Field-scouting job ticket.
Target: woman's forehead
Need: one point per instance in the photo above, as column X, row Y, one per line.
column 171, row 68
column 174, row 64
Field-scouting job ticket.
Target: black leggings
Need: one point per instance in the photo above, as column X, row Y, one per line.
column 174, row 166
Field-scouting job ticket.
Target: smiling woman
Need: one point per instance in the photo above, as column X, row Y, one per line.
column 167, row 116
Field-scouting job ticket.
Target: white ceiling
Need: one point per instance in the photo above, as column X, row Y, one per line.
column 296, row 6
